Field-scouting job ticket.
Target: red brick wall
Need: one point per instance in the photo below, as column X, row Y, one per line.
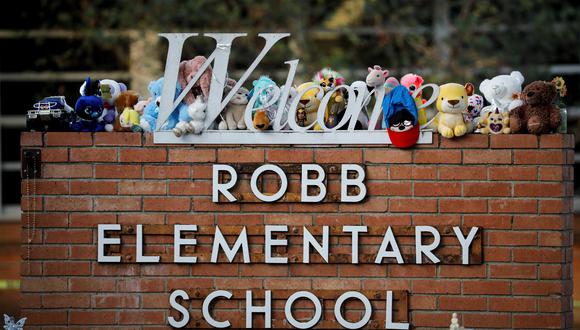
column 518, row 188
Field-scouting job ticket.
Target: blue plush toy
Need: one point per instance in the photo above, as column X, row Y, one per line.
column 88, row 110
column 151, row 112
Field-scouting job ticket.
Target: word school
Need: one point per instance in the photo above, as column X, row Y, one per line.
column 266, row 309
column 388, row 249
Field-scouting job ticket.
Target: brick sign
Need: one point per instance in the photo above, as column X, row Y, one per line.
column 120, row 232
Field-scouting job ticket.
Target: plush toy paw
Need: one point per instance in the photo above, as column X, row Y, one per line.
column 446, row 131
column 182, row 128
column 223, row 125
column 242, row 125
column 145, row 125
column 460, row 130
column 196, row 126
column 109, row 127
column 136, row 128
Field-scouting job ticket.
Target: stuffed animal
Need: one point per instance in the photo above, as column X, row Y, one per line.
column 196, row 112
column 10, row 323
column 537, row 114
column 109, row 91
column 128, row 119
column 472, row 114
column 401, row 118
column 413, row 82
column 262, row 113
column 187, row 70
column 328, row 79
column 451, row 104
column 376, row 76
column 495, row 122
column 233, row 116
column 89, row 109
column 309, row 103
column 148, row 120
column 504, row 89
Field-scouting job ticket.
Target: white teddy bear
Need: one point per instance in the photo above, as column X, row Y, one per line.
column 504, row 90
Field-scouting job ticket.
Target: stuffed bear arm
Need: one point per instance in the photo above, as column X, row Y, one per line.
column 555, row 117
column 516, row 118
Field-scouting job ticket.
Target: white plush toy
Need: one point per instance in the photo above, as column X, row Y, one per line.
column 504, row 89
column 234, row 112
column 196, row 111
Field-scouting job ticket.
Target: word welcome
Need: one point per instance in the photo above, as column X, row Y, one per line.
column 224, row 187
column 389, row 247
column 266, row 309
column 358, row 100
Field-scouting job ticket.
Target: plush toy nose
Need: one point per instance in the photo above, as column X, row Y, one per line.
column 260, row 126
column 453, row 102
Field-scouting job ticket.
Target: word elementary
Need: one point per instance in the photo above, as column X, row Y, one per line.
column 389, row 247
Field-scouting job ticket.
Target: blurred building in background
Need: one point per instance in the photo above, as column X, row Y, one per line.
column 50, row 46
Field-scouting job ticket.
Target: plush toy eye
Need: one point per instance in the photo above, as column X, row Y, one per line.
column 461, row 96
column 323, row 84
column 378, row 75
column 331, row 80
column 412, row 87
column 441, row 99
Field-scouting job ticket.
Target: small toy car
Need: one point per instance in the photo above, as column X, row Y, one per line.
column 50, row 114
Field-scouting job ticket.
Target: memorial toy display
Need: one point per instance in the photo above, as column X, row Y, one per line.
column 414, row 82
column 451, row 104
column 110, row 91
column 89, row 109
column 195, row 98
column 328, row 79
column 537, row 114
column 233, row 115
column 401, row 118
column 495, row 122
column 148, row 120
column 504, row 89
column 50, row 114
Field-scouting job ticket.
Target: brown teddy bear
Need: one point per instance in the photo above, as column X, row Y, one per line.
column 538, row 114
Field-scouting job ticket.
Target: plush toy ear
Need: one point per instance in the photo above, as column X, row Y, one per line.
column 469, row 89
column 254, row 83
column 483, row 85
column 370, row 69
column 517, row 76
column 386, row 73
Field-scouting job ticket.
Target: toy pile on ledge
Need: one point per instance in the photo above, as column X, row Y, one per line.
column 107, row 105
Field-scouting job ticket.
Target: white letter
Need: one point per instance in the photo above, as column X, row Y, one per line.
column 465, row 242
column 338, row 312
column 317, row 310
column 310, row 240
column 102, row 241
column 205, row 308
column 389, row 324
column 179, row 308
column 283, row 183
column 223, row 187
column 139, row 247
column 266, row 309
column 358, row 181
column 389, row 239
column 354, row 240
column 220, row 241
column 178, row 242
column 318, row 181
column 426, row 249
column 269, row 242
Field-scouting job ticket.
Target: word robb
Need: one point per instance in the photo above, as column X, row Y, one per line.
column 306, row 182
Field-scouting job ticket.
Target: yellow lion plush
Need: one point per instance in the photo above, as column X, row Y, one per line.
column 451, row 104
